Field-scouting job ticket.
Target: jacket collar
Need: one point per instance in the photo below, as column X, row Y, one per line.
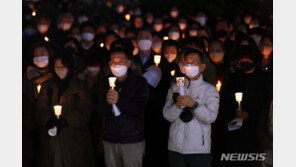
column 194, row 83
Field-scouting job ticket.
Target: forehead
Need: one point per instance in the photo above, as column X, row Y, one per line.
column 118, row 56
column 88, row 28
column 145, row 34
column 40, row 49
column 192, row 57
column 216, row 45
column 58, row 63
column 170, row 48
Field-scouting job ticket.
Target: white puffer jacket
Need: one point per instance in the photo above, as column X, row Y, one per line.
column 193, row 137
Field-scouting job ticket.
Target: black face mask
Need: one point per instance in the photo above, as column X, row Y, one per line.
column 246, row 66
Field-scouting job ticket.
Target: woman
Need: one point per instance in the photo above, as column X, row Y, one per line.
column 71, row 146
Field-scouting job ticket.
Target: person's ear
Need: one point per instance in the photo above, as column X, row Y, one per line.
column 202, row 67
column 128, row 64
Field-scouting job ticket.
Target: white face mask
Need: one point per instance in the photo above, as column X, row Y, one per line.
column 257, row 40
column 182, row 26
column 41, row 61
column 145, row 44
column 93, row 70
column 118, row 70
column 64, row 26
column 42, row 28
column 174, row 13
column 201, row 20
column 87, row 36
column 82, row 19
column 174, row 35
column 158, row 27
column 170, row 57
column 193, row 33
column 191, row 71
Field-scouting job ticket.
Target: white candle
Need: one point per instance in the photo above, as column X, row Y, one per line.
column 101, row 45
column 112, row 82
column 57, row 110
column 127, row 17
column 165, row 38
column 38, row 88
column 173, row 73
column 239, row 98
column 157, row 59
column 180, row 83
column 218, row 86
column 34, row 13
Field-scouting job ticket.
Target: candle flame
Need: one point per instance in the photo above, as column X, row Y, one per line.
column 157, row 59
column 101, row 45
column 46, row 38
column 218, row 86
column 238, row 96
column 38, row 88
column 34, row 13
column 165, row 38
column 173, row 73
column 127, row 17
column 112, row 82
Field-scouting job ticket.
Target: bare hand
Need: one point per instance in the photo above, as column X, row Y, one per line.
column 185, row 101
column 112, row 96
column 241, row 114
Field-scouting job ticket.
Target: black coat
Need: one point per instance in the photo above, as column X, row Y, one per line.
column 128, row 127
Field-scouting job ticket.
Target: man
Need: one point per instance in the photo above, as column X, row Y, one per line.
column 190, row 131
column 123, row 137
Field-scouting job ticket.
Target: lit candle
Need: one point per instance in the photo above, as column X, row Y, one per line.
column 112, row 82
column 218, row 86
column 180, row 83
column 34, row 12
column 165, row 38
column 127, row 17
column 57, row 110
column 38, row 88
column 173, row 73
column 101, row 45
column 157, row 59
column 239, row 98
column 46, row 38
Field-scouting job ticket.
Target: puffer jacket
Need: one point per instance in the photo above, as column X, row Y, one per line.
column 193, row 137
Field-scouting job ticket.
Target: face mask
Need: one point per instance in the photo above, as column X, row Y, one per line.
column 174, row 13
column 156, row 46
column 201, row 20
column 257, row 40
column 41, row 61
column 61, row 73
column 246, row 66
column 182, row 26
column 82, row 19
column 93, row 70
column 217, row 56
column 118, row 70
column 42, row 28
column 181, row 67
column 157, row 27
column 64, row 26
column 87, row 36
column 193, row 33
column 191, row 71
column 170, row 57
column 135, row 51
column 174, row 35
column 144, row 44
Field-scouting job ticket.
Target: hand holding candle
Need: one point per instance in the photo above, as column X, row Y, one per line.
column 112, row 85
column 57, row 110
column 218, row 86
column 239, row 98
column 157, row 59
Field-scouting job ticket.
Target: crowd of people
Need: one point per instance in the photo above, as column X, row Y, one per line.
column 173, row 98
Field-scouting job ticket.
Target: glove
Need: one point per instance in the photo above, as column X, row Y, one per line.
column 175, row 96
column 186, row 115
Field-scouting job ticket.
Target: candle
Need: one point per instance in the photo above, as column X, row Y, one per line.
column 239, row 98
column 34, row 12
column 112, row 82
column 173, row 73
column 127, row 17
column 180, row 83
column 46, row 38
column 218, row 86
column 57, row 110
column 157, row 59
column 101, row 45
column 165, row 38
column 38, row 88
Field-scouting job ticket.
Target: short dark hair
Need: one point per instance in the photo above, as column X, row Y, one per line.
column 195, row 51
column 121, row 49
column 86, row 24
